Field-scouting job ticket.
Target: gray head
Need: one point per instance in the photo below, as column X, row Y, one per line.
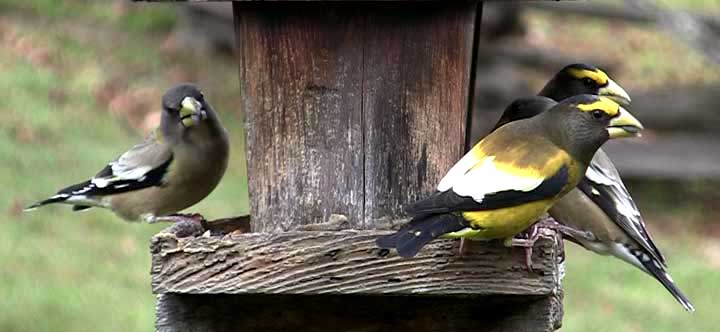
column 186, row 114
column 581, row 124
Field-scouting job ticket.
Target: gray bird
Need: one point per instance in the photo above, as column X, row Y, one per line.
column 176, row 166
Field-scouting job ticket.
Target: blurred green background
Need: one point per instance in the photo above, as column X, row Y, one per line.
column 81, row 81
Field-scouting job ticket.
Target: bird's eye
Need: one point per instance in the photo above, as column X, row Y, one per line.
column 202, row 97
column 588, row 81
column 598, row 114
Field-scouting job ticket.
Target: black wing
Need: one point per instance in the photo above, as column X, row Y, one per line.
column 448, row 201
column 603, row 185
column 108, row 185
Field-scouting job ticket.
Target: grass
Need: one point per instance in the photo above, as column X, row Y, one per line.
column 65, row 271
column 145, row 16
column 604, row 294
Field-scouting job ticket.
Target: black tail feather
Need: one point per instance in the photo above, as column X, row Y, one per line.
column 387, row 241
column 441, row 202
column 55, row 199
column 664, row 278
column 80, row 207
column 63, row 195
column 418, row 232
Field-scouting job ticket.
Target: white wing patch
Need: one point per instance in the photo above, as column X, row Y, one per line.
column 457, row 171
column 121, row 171
column 621, row 198
column 101, row 182
column 595, row 175
column 487, row 179
column 130, row 173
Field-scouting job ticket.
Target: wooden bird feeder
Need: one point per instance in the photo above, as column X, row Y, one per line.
column 353, row 110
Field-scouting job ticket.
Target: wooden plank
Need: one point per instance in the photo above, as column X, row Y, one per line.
column 301, row 93
column 347, row 262
column 353, row 110
column 670, row 156
column 416, row 94
column 546, row 58
column 686, row 144
column 354, row 313
column 611, row 12
column 691, row 108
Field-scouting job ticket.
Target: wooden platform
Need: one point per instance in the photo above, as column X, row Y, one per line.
column 211, row 283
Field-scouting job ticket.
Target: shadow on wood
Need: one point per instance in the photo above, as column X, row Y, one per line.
column 187, row 313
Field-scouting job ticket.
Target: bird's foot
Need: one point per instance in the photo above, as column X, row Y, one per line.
column 548, row 222
column 195, row 225
column 530, row 236
column 567, row 230
column 184, row 224
column 180, row 217
column 463, row 247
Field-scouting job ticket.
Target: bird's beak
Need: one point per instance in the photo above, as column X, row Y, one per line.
column 615, row 92
column 191, row 112
column 624, row 125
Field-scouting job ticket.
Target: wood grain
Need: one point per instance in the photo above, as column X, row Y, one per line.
column 261, row 282
column 353, row 110
column 301, row 93
column 415, row 102
column 346, row 262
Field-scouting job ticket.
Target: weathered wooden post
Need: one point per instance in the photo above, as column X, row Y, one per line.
column 353, row 109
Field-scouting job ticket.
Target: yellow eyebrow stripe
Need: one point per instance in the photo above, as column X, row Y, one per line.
column 598, row 75
column 604, row 104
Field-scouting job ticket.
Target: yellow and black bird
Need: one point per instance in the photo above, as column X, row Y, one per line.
column 579, row 78
column 178, row 165
column 513, row 176
column 600, row 214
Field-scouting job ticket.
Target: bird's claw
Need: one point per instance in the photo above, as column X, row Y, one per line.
column 185, row 224
column 532, row 234
column 463, row 247
column 567, row 230
column 194, row 216
column 180, row 217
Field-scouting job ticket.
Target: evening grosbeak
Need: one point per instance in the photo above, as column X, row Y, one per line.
column 176, row 166
column 514, row 175
column 600, row 214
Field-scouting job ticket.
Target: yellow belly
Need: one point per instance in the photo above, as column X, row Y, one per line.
column 501, row 223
